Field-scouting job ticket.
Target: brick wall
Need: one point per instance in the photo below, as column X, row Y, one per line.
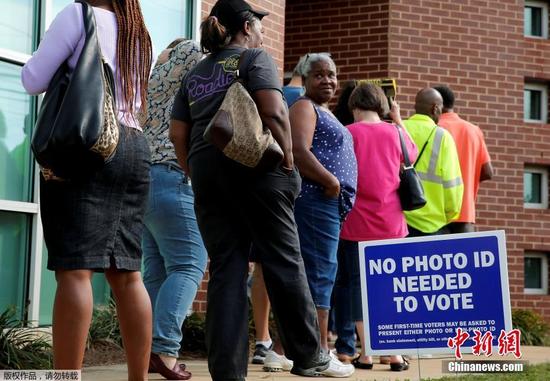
column 274, row 25
column 355, row 32
column 477, row 48
column 274, row 32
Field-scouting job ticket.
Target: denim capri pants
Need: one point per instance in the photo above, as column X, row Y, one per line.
column 318, row 220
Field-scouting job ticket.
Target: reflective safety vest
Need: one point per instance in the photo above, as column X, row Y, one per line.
column 439, row 170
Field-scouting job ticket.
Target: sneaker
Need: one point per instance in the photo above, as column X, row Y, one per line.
column 337, row 369
column 259, row 353
column 275, row 362
column 314, row 368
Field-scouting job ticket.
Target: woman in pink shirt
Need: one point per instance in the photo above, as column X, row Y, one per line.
column 377, row 212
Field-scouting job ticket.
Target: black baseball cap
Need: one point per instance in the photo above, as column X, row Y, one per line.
column 229, row 12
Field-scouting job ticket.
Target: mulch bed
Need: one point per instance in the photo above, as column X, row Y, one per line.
column 104, row 354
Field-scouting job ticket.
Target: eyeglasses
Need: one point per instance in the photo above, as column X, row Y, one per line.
column 309, row 55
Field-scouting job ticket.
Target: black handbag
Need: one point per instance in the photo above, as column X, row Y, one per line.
column 237, row 129
column 411, row 192
column 77, row 130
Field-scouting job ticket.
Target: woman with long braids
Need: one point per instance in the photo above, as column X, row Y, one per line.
column 94, row 223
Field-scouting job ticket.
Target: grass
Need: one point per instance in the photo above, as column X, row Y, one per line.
column 539, row 372
column 21, row 347
column 104, row 328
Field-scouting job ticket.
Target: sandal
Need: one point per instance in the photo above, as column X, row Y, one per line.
column 399, row 366
column 361, row 365
column 347, row 359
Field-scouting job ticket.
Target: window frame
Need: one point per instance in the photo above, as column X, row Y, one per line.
column 544, row 273
column 544, row 185
column 544, row 27
column 543, row 88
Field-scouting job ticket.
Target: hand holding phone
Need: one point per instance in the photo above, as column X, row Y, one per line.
column 395, row 112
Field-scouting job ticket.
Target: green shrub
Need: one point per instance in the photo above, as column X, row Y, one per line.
column 22, row 347
column 534, row 330
column 104, row 328
column 194, row 339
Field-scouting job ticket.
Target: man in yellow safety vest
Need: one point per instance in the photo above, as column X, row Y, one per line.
column 437, row 165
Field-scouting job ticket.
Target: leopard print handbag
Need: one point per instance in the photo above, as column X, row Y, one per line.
column 108, row 139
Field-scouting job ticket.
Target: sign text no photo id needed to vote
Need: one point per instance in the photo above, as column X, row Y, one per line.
column 417, row 291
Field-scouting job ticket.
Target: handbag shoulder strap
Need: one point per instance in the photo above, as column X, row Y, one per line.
column 90, row 27
column 424, row 146
column 403, row 147
column 88, row 18
column 245, row 59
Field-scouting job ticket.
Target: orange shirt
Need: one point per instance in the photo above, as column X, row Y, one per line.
column 472, row 154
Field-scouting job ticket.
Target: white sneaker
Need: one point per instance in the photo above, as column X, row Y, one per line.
column 276, row 363
column 337, row 369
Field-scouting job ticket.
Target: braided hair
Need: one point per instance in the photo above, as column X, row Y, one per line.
column 134, row 52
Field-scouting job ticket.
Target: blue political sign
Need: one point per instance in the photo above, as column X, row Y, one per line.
column 417, row 291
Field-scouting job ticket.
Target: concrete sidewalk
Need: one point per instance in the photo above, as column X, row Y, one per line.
column 419, row 369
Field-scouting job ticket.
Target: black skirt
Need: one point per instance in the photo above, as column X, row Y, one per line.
column 96, row 222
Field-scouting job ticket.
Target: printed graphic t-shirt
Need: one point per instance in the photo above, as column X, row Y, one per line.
column 204, row 87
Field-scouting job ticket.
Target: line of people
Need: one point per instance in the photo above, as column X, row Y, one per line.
column 187, row 199
column 377, row 214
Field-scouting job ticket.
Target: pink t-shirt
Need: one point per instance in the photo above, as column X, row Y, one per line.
column 377, row 212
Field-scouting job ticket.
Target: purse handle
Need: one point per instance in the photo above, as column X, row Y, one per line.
column 90, row 27
column 404, row 148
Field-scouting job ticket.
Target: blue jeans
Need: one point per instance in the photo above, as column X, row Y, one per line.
column 318, row 220
column 347, row 296
column 173, row 253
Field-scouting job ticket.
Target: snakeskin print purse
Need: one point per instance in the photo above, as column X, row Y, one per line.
column 77, row 132
column 237, row 130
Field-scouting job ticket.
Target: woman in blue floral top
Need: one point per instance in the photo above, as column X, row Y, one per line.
column 173, row 252
column 323, row 152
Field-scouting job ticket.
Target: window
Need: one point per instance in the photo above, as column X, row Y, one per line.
column 536, row 19
column 16, row 25
column 165, row 19
column 535, row 103
column 535, row 187
column 535, row 273
column 13, row 246
column 15, row 131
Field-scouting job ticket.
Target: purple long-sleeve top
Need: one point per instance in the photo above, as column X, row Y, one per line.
column 63, row 42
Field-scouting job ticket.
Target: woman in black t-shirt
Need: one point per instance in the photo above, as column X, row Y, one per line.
column 237, row 206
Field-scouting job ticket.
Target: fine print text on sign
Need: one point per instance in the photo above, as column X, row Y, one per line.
column 418, row 291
